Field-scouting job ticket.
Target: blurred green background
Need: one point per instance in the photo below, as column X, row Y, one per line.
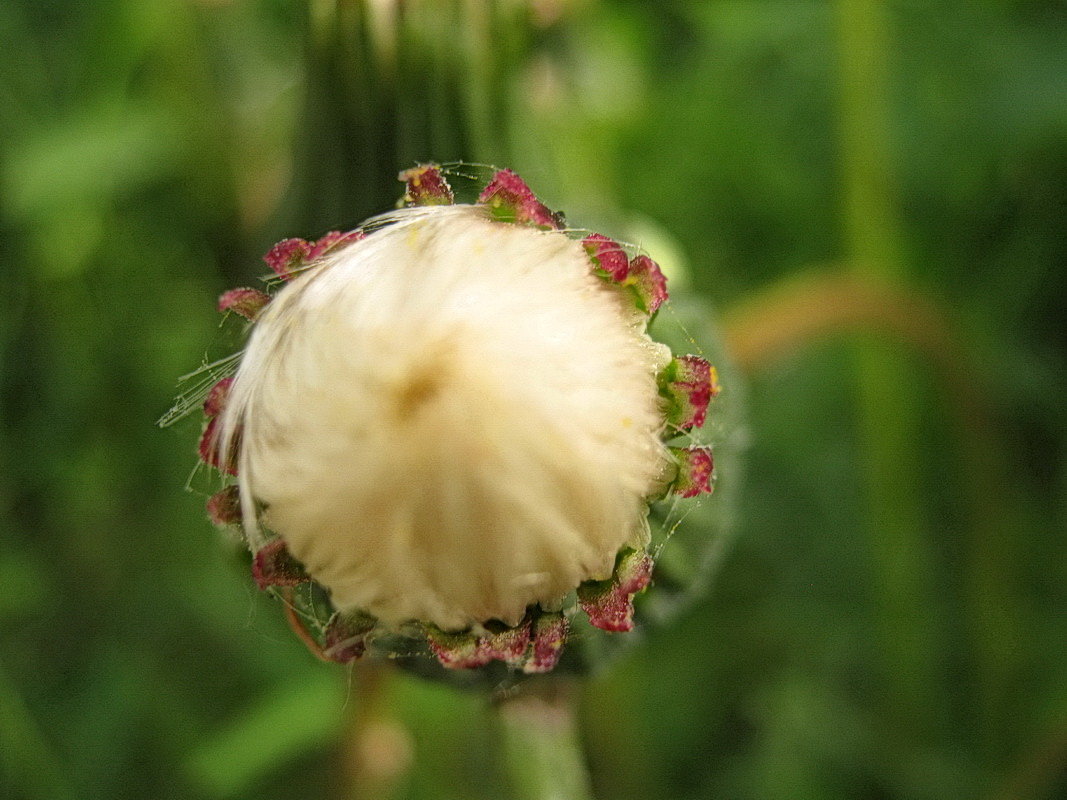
column 879, row 188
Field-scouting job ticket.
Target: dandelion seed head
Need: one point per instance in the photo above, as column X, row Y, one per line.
column 450, row 420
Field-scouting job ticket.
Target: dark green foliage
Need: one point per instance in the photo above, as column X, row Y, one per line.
column 147, row 160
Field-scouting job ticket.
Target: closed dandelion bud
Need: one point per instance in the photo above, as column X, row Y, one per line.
column 447, row 427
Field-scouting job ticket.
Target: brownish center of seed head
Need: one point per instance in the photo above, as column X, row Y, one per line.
column 417, row 390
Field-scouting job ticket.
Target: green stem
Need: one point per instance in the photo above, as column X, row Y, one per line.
column 541, row 748
column 898, row 531
column 900, row 534
column 389, row 85
column 378, row 749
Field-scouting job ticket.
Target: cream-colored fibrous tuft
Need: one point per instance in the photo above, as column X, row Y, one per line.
column 450, row 420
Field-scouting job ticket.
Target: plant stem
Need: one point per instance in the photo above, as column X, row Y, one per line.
column 541, row 748
column 389, row 85
column 900, row 535
column 378, row 749
column 898, row 532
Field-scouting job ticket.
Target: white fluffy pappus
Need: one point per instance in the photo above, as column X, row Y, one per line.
column 449, row 420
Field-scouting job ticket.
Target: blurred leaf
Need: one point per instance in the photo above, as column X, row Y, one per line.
column 286, row 724
column 27, row 761
column 24, row 583
column 90, row 157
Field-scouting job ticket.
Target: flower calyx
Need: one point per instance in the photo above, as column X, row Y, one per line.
column 244, row 301
column 346, row 636
column 609, row 604
column 224, row 507
column 209, row 447
column 274, row 565
column 648, row 283
column 509, row 199
column 289, row 256
column 640, row 275
column 533, row 646
column 610, row 261
column 426, row 186
column 696, row 471
column 688, row 384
